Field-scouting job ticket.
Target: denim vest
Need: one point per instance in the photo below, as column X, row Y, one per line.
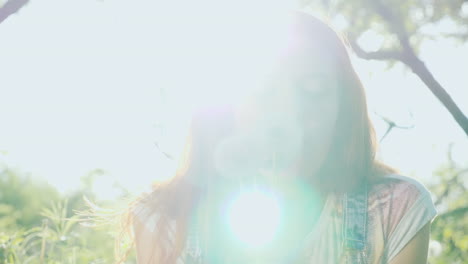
column 354, row 235
column 355, row 226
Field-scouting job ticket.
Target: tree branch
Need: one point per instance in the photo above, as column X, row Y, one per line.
column 375, row 55
column 409, row 58
column 420, row 69
column 391, row 125
column 10, row 8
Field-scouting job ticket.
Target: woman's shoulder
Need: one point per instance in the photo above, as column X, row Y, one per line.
column 398, row 186
column 399, row 206
column 400, row 202
column 399, row 193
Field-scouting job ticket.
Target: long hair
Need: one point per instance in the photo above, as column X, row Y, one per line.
column 350, row 159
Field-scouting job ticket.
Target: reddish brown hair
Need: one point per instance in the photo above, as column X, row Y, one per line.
column 350, row 160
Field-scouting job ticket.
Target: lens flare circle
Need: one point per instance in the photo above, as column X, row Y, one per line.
column 254, row 217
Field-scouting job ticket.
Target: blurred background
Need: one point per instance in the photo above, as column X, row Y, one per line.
column 94, row 93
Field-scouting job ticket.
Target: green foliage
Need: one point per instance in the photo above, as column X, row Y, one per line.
column 449, row 228
column 388, row 18
column 52, row 233
column 21, row 198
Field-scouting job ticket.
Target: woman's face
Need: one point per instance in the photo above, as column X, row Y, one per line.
column 296, row 105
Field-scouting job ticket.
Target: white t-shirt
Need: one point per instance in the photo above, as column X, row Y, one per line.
column 398, row 207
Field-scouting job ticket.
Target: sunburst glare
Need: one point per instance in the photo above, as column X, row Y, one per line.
column 254, row 217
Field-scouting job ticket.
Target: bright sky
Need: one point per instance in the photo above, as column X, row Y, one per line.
column 80, row 91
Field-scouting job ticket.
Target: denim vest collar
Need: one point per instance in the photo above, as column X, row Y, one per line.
column 354, row 231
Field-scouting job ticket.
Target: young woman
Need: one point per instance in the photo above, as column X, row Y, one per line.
column 306, row 138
